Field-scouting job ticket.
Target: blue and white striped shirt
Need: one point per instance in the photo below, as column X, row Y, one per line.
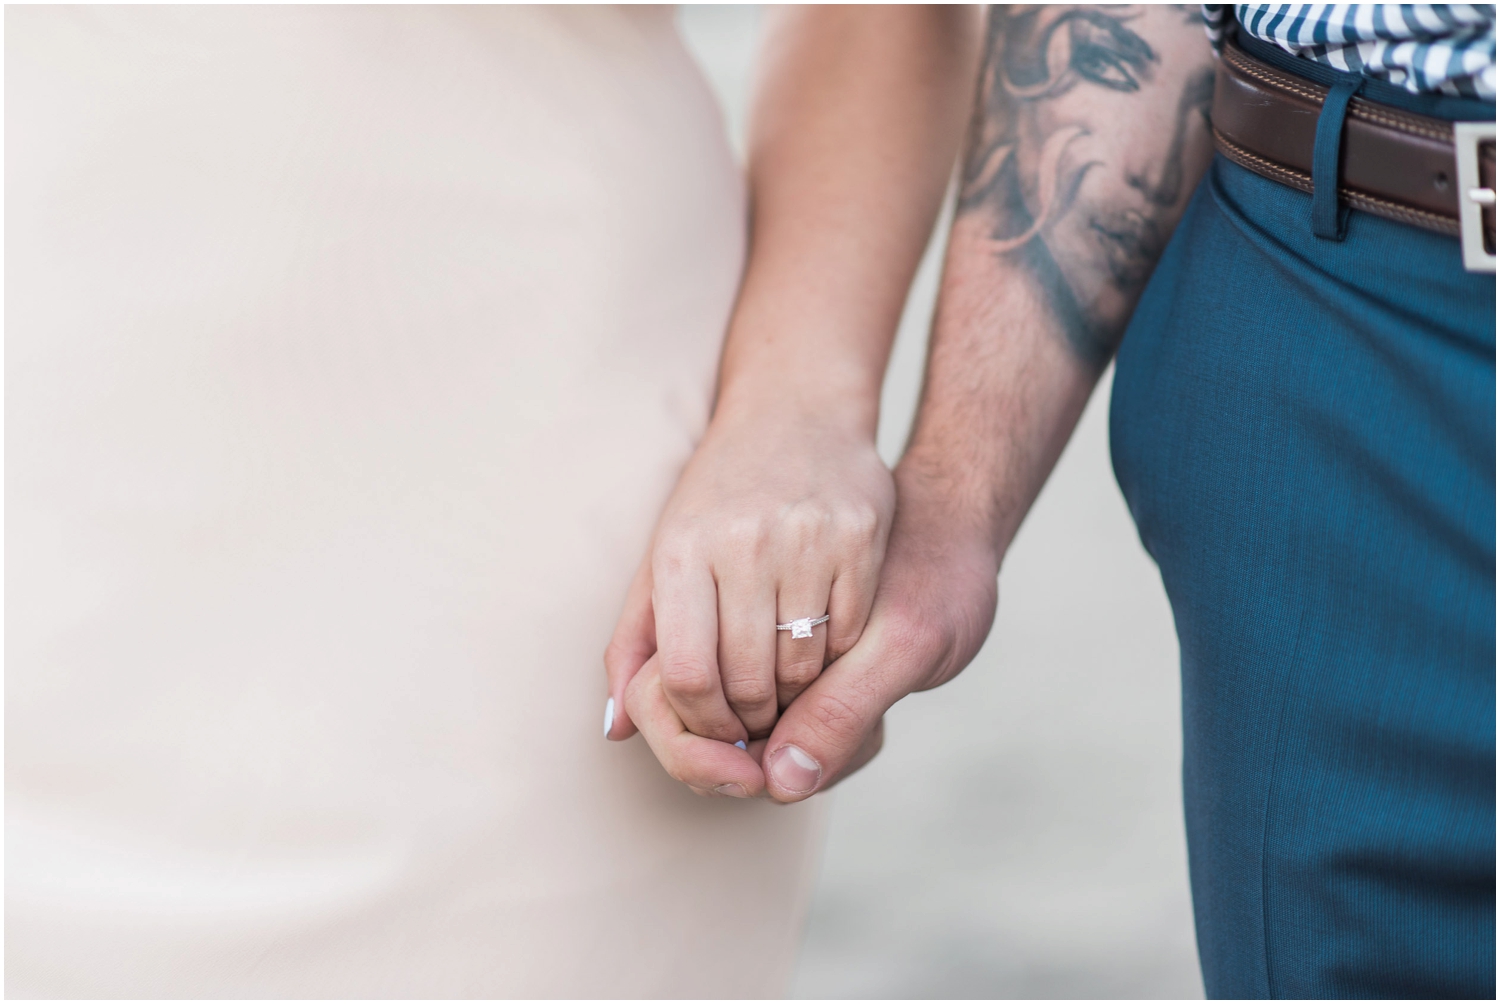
column 1422, row 47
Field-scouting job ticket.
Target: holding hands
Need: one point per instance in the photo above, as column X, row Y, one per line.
column 786, row 512
column 771, row 523
column 934, row 607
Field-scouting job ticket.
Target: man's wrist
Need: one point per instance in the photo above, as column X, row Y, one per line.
column 959, row 499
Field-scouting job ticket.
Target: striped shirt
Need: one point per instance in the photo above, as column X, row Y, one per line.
column 1422, row 47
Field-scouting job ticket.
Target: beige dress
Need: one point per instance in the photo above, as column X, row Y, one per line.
column 350, row 354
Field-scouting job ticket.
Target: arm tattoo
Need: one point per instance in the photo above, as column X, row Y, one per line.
column 1090, row 132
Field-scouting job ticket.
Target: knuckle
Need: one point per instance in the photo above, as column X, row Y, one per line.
column 618, row 656
column 673, row 554
column 860, row 523
column 745, row 537
column 915, row 638
column 806, row 521
column 638, row 698
column 839, row 643
column 835, row 721
column 635, row 690
column 798, row 673
column 750, row 692
column 832, row 526
column 687, row 676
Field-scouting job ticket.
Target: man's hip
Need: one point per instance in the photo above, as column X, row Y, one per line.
column 1304, row 430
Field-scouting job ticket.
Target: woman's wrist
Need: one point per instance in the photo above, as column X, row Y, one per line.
column 783, row 399
column 797, row 356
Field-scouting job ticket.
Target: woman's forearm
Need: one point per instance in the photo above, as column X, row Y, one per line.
column 856, row 125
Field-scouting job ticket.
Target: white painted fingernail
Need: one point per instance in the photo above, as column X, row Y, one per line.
column 609, row 716
column 741, row 744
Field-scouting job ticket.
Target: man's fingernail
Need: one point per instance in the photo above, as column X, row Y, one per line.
column 609, row 716
column 732, row 790
column 740, row 743
column 795, row 771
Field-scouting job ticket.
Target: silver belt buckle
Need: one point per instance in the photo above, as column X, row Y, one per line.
column 1473, row 199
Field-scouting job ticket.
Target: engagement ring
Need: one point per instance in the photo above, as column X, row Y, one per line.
column 802, row 627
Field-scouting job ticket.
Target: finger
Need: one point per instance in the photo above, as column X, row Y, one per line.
column 850, row 600
column 685, row 599
column 705, row 765
column 800, row 660
column 874, row 742
column 633, row 642
column 747, row 649
column 707, row 792
column 823, row 733
column 872, row 745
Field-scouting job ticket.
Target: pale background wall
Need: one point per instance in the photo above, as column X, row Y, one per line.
column 1021, row 834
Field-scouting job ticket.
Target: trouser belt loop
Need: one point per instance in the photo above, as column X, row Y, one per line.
column 1325, row 160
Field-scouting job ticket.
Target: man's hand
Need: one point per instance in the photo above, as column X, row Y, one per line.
column 934, row 608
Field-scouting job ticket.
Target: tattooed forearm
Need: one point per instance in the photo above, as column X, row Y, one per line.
column 1089, row 134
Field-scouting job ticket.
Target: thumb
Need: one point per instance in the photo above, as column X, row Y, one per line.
column 634, row 642
column 834, row 726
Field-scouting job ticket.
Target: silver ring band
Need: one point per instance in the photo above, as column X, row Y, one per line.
column 802, row 627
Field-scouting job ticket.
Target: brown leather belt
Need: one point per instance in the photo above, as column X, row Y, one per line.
column 1394, row 163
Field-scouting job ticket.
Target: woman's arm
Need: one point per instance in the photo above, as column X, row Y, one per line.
column 783, row 510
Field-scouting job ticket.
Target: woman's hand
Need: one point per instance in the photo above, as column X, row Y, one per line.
column 780, row 515
column 935, row 605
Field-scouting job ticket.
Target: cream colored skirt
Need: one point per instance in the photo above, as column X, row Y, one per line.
column 351, row 353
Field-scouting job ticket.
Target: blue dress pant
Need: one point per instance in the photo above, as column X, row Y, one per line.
column 1304, row 430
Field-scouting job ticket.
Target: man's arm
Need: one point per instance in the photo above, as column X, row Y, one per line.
column 1088, row 137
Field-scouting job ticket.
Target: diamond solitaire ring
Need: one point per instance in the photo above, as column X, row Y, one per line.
column 802, row 627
